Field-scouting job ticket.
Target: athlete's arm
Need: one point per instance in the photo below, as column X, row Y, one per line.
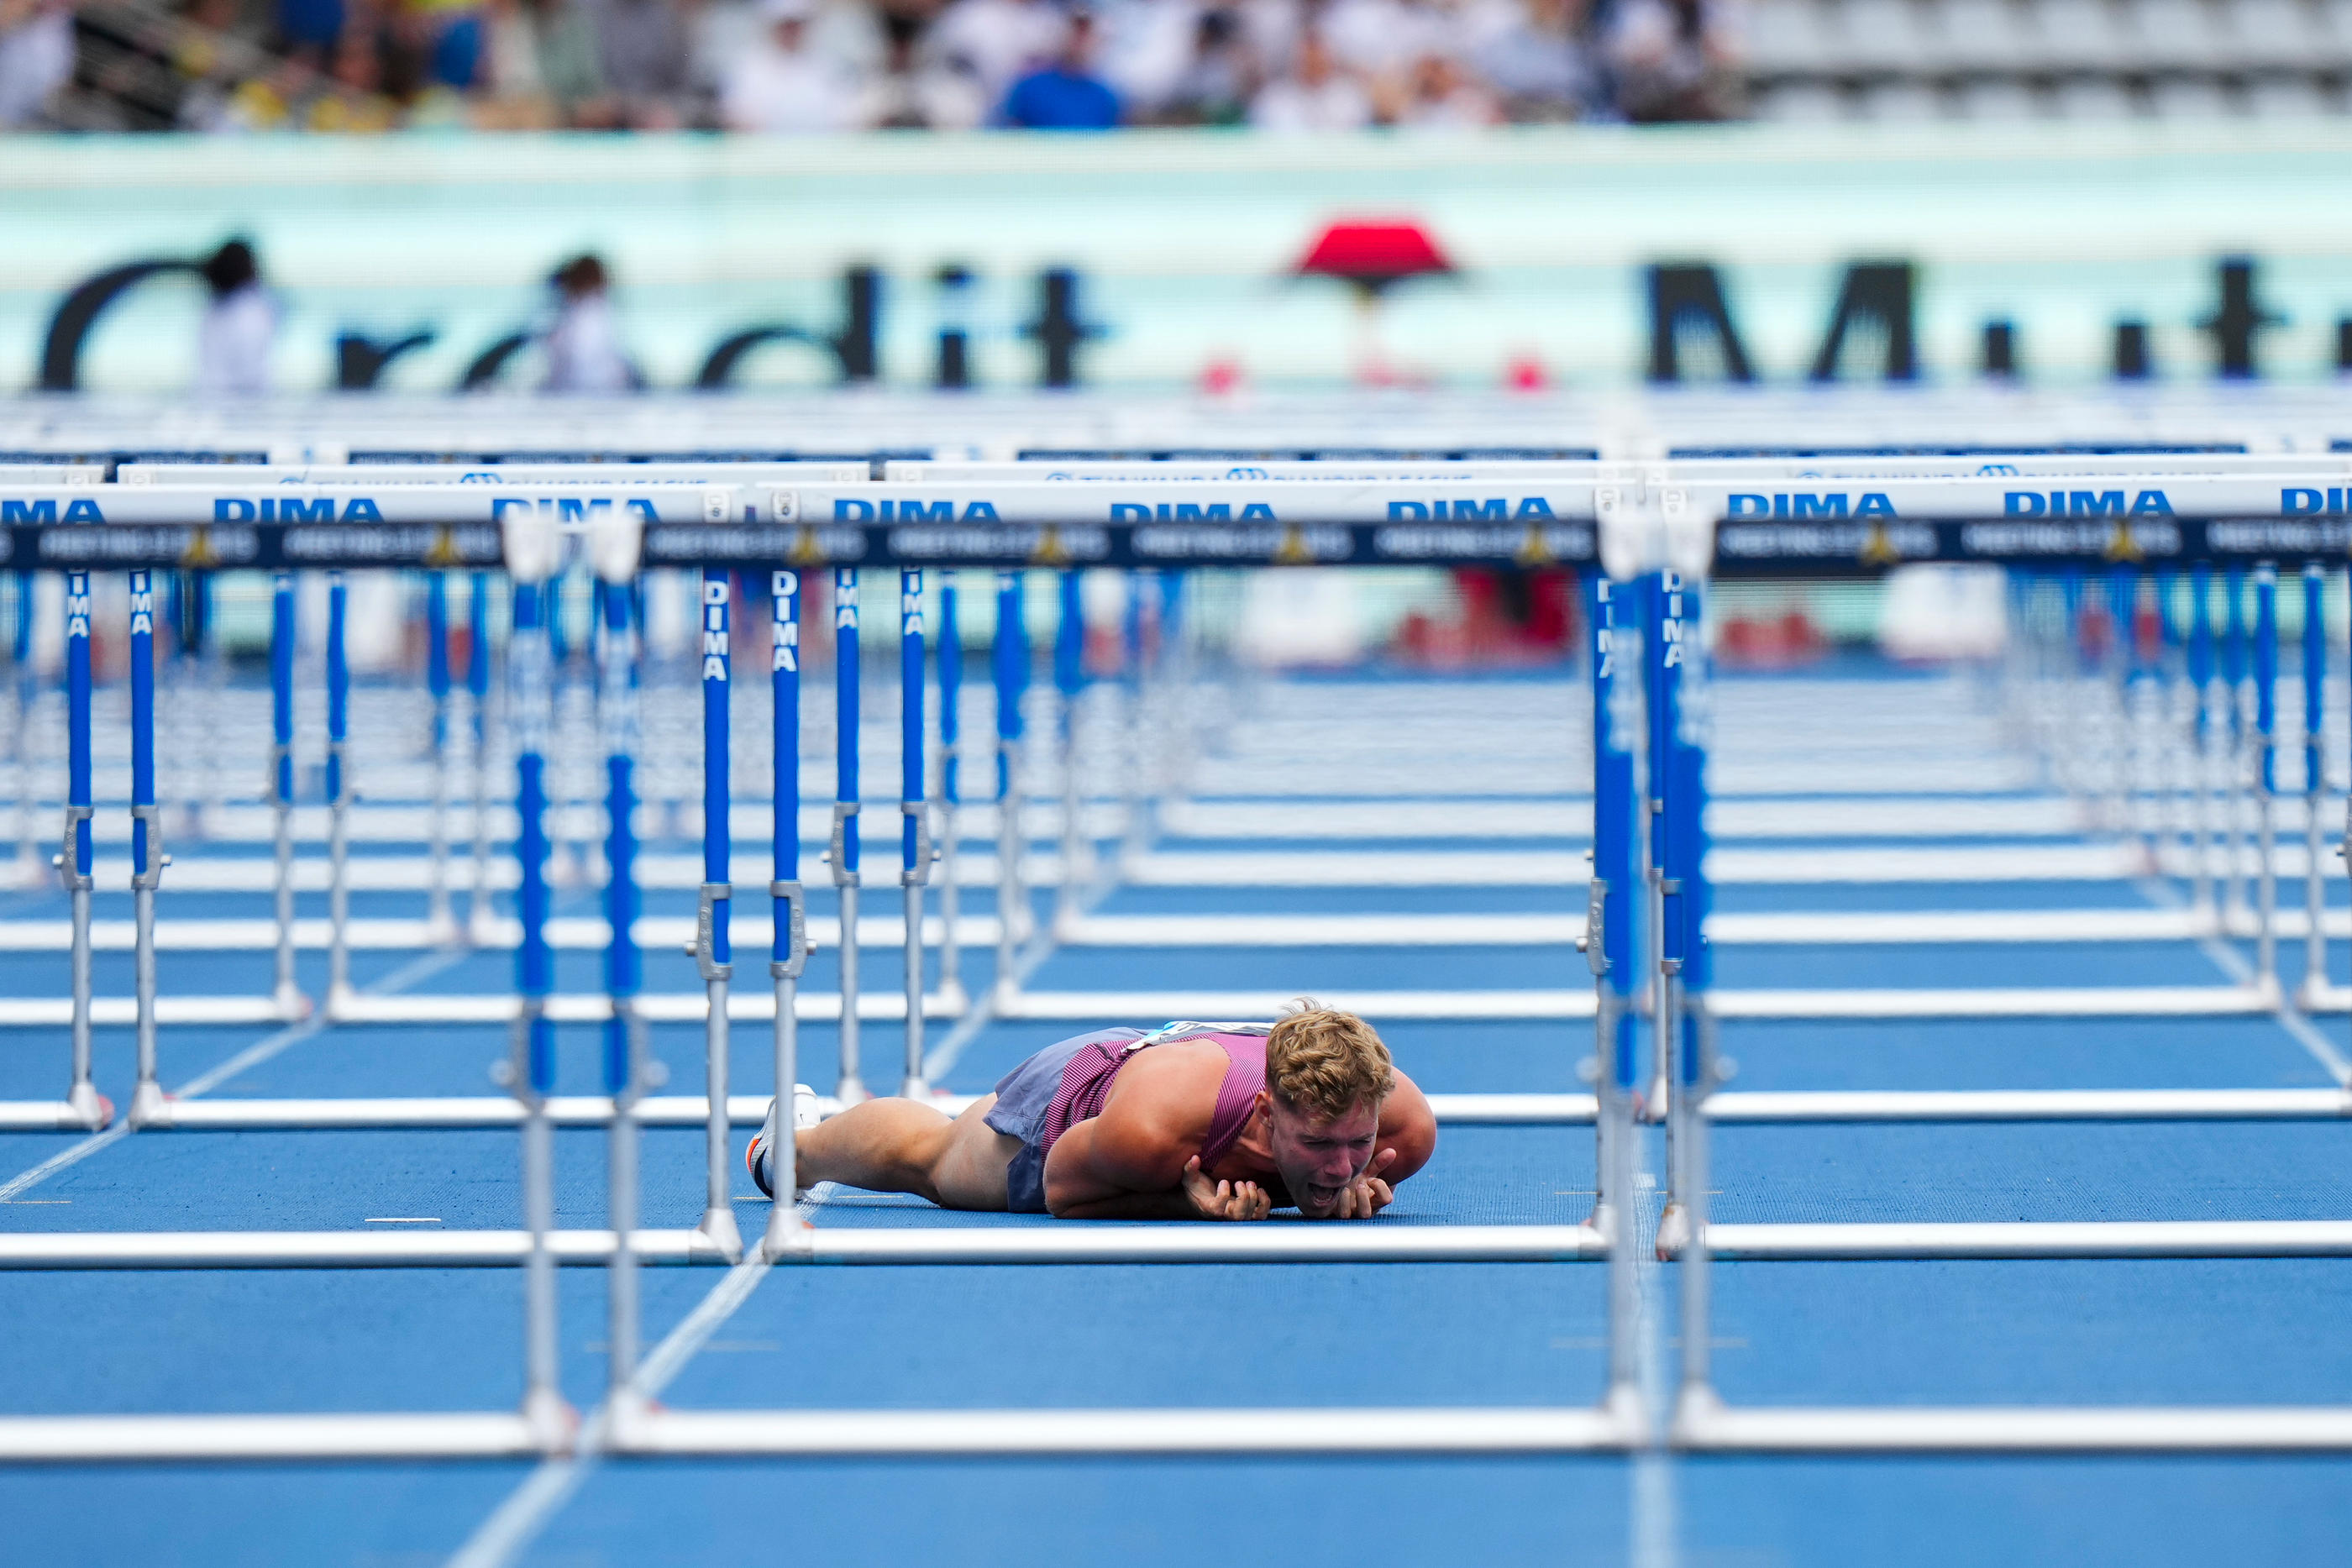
column 1140, row 1158
column 1410, row 1128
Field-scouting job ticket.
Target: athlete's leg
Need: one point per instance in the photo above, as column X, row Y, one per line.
column 900, row 1145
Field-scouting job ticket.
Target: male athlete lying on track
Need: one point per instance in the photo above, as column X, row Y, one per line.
column 1192, row 1121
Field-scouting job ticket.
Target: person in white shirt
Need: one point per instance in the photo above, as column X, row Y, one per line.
column 240, row 325
column 583, row 346
column 783, row 84
column 1315, row 96
column 1000, row 41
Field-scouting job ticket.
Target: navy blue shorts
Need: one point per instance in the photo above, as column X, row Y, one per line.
column 1023, row 1096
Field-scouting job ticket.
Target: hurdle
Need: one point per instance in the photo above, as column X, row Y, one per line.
column 538, row 1246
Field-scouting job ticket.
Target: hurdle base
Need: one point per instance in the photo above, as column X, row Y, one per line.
column 340, row 998
column 290, row 1004
column 1674, row 1232
column 627, row 1412
column 553, row 1425
column 718, row 1237
column 137, row 1439
column 85, row 1107
column 789, row 1238
column 148, row 1105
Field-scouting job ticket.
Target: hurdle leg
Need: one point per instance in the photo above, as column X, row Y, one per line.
column 949, row 841
column 712, row 951
column 1133, row 748
column 786, row 1233
column 146, row 840
column 626, row 1077
column 2264, row 781
column 914, row 836
column 843, row 849
column 1009, row 662
column 25, row 689
column 1696, row 1397
column 2314, row 991
column 1650, row 829
column 531, row 1071
column 286, row 992
column 1069, row 680
column 74, row 859
column 2200, row 764
column 478, row 914
column 213, row 801
column 440, row 925
column 339, row 797
column 1608, row 951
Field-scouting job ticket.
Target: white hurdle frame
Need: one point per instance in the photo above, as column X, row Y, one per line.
column 1700, row 1421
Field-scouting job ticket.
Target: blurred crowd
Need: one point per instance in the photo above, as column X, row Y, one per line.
column 783, row 66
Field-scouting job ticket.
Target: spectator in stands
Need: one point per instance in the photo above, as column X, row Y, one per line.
column 1377, row 42
column 781, row 83
column 1675, row 60
column 918, row 88
column 36, row 58
column 1067, row 94
column 309, row 30
column 584, row 345
column 643, row 48
column 1315, row 96
column 354, row 100
column 240, row 325
column 1537, row 61
column 1442, row 96
column 1218, row 81
column 999, row 41
column 542, row 64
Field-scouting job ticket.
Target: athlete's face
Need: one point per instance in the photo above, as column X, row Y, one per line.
column 1318, row 1159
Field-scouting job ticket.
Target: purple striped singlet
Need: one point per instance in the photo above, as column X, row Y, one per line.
column 1087, row 1076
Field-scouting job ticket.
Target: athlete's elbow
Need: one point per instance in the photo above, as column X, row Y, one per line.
column 1416, row 1144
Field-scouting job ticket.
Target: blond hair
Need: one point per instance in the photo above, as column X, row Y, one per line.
column 1326, row 1063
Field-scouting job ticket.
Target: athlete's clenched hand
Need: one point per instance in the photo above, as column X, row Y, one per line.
column 1368, row 1194
column 1224, row 1199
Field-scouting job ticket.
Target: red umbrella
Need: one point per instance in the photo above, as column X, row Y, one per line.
column 1373, row 255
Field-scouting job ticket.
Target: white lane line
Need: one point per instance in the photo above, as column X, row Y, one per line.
column 2232, row 963
column 515, row 1523
column 252, row 1056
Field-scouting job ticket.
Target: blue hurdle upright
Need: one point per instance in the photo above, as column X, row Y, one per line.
column 914, row 828
column 789, row 949
column 712, row 950
column 1608, row 944
column 2314, row 785
column 842, row 850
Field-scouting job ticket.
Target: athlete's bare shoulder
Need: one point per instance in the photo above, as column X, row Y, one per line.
column 1171, row 1089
